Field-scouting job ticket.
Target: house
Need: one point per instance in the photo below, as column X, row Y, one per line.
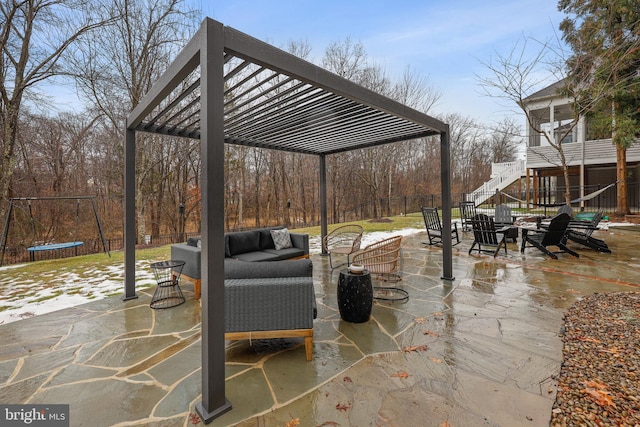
column 591, row 162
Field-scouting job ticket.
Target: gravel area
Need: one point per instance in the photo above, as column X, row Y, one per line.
column 599, row 382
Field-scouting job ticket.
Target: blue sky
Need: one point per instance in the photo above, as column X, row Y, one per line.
column 445, row 41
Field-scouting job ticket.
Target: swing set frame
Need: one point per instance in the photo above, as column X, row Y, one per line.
column 54, row 246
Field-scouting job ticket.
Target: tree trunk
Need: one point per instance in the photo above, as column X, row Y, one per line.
column 621, row 172
column 7, row 159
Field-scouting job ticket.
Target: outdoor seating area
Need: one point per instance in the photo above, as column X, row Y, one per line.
column 495, row 327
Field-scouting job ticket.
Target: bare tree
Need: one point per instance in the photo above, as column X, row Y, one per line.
column 516, row 76
column 117, row 67
column 414, row 90
column 35, row 36
column 519, row 74
column 505, row 139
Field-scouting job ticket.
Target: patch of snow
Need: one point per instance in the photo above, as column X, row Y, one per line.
column 22, row 297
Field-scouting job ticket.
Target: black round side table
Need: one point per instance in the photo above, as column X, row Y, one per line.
column 168, row 293
column 355, row 296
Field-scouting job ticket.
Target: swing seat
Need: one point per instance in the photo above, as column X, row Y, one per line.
column 54, row 246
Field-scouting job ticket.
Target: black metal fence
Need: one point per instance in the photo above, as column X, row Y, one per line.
column 595, row 198
column 547, row 201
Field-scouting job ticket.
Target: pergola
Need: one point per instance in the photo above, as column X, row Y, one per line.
column 227, row 87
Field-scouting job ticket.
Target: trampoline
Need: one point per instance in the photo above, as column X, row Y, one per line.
column 75, row 243
column 54, row 246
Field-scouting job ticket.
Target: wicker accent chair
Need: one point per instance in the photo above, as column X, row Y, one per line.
column 381, row 258
column 344, row 240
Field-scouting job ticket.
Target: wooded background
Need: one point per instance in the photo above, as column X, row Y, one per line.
column 80, row 152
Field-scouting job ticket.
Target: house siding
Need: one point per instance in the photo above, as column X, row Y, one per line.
column 597, row 152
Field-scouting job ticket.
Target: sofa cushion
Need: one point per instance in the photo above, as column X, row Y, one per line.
column 266, row 241
column 281, row 239
column 242, row 242
column 256, row 256
column 194, row 241
column 286, row 253
column 236, row 269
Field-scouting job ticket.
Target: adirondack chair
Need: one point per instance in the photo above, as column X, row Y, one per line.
column 566, row 209
column 553, row 235
column 580, row 232
column 434, row 227
column 467, row 212
column 504, row 218
column 485, row 235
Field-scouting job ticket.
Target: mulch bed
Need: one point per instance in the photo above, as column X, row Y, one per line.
column 599, row 381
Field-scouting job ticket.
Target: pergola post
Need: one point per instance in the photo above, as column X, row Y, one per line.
column 214, row 402
column 445, row 182
column 323, row 200
column 129, row 215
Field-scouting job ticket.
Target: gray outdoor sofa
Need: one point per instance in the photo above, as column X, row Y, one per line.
column 270, row 300
column 249, row 246
column 268, row 292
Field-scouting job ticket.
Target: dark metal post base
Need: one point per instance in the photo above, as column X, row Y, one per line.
column 208, row 417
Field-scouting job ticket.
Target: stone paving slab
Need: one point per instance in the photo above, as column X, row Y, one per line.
column 483, row 350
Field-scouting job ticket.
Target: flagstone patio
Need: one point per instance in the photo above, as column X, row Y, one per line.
column 483, row 350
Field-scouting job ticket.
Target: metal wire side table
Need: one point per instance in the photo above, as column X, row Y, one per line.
column 168, row 293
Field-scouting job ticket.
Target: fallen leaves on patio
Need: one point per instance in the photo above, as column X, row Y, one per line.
column 400, row 374
column 420, row 320
column 436, row 360
column 194, row 419
column 415, row 348
column 445, row 423
column 294, row 422
column 343, row 406
column 589, row 339
column 613, row 350
column 347, row 380
column 430, row 333
column 598, row 391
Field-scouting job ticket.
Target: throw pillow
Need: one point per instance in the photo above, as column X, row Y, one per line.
column 281, row 238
